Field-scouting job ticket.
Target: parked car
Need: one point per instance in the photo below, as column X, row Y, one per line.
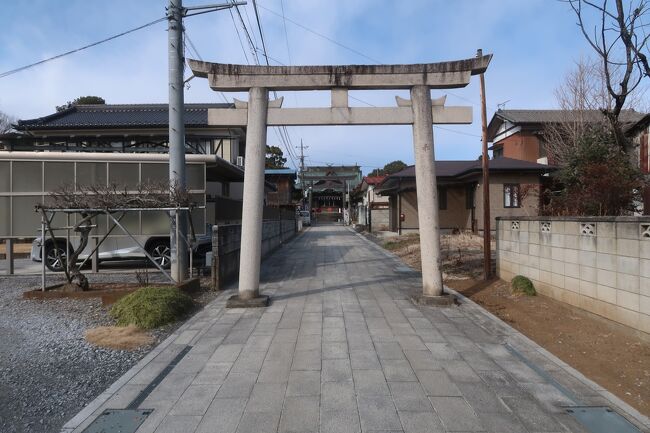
column 119, row 248
column 306, row 217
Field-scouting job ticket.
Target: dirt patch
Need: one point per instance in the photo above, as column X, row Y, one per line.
column 118, row 337
column 108, row 292
column 609, row 354
column 462, row 254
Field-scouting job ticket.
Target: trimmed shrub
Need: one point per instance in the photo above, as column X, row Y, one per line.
column 151, row 307
column 521, row 284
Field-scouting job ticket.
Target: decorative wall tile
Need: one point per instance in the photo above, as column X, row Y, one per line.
column 545, row 226
column 588, row 229
column 645, row 231
column 514, row 225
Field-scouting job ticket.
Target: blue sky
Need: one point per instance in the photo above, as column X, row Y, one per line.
column 534, row 42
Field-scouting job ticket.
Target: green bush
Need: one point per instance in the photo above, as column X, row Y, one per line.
column 521, row 284
column 151, row 307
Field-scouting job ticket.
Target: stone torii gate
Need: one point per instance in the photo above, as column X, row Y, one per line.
column 259, row 113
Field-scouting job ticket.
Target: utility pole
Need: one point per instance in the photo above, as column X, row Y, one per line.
column 178, row 230
column 302, row 171
column 487, row 248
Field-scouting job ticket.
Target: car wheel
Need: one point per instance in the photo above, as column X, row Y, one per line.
column 55, row 262
column 161, row 254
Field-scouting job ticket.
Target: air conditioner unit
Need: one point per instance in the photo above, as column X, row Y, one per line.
column 240, row 161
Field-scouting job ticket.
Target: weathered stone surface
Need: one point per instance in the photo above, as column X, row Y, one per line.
column 402, row 368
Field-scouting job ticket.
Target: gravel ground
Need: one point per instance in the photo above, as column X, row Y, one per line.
column 48, row 372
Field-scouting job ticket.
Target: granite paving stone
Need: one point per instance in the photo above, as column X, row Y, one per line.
column 342, row 349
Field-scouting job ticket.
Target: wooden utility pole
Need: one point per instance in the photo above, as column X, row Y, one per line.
column 487, row 252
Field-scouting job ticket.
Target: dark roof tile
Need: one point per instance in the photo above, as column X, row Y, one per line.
column 116, row 116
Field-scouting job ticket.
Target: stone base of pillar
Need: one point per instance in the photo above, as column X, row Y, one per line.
column 236, row 302
column 445, row 300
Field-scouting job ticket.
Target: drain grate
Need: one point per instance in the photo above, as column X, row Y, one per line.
column 601, row 419
column 118, row 420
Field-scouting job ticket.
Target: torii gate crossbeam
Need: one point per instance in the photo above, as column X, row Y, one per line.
column 258, row 113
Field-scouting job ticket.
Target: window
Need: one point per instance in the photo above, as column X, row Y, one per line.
column 442, row 198
column 469, row 197
column 511, row 195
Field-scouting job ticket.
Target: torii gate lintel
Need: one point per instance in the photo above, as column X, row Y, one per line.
column 420, row 112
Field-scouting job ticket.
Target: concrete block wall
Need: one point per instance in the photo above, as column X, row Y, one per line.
column 226, row 244
column 599, row 264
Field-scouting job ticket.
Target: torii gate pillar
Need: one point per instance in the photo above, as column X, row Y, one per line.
column 253, row 203
column 427, row 196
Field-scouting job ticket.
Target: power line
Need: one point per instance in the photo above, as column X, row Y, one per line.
column 320, row 35
column 241, row 43
column 85, row 47
column 259, row 27
column 283, row 132
column 286, row 35
column 186, row 37
column 353, row 50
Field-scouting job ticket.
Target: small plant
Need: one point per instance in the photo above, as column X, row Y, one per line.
column 151, row 307
column 142, row 277
column 523, row 285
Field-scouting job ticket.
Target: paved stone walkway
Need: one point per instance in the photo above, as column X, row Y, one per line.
column 342, row 349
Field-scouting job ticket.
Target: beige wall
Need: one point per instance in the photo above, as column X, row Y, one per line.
column 529, row 205
column 600, row 265
column 455, row 216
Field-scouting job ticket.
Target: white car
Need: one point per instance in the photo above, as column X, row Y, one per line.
column 306, row 217
column 118, row 248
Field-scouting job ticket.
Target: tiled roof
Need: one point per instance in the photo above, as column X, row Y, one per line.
column 557, row 116
column 373, row 180
column 461, row 168
column 539, row 118
column 279, row 171
column 118, row 116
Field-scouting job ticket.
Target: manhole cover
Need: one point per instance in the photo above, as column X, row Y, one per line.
column 118, row 421
column 599, row 419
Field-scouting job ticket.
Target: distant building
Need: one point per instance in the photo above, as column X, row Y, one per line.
column 283, row 179
column 514, row 190
column 328, row 187
column 373, row 210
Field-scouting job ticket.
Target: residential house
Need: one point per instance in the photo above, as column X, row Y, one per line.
column 519, row 134
column 373, row 210
column 121, row 144
column 514, row 190
column 638, row 134
column 283, row 179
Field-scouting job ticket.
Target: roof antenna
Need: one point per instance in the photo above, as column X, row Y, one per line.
column 502, row 105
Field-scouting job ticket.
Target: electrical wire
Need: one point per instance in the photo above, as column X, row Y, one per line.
column 186, row 37
column 85, row 47
column 283, row 133
column 353, row 50
column 286, row 34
